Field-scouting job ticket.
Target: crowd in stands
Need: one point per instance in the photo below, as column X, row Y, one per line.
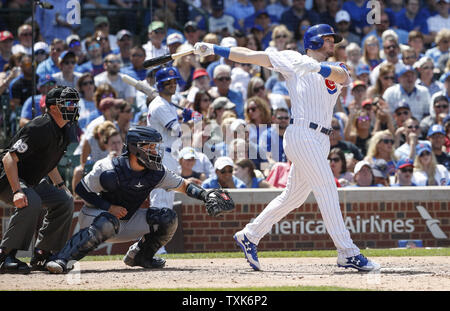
column 391, row 125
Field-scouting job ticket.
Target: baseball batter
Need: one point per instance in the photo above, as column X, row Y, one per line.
column 162, row 116
column 314, row 87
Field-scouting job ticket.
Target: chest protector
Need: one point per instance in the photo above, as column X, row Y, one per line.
column 126, row 187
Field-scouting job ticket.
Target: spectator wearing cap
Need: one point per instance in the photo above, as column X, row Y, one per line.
column 224, row 176
column 136, row 69
column 442, row 41
column 73, row 43
column 297, row 12
column 174, row 40
column 359, row 93
column 441, row 110
column 94, row 53
column 343, row 27
column 219, row 22
column 362, row 72
column 25, row 40
column 155, row 46
column 21, row 87
column 425, row 67
column 380, row 173
column 436, row 135
column 6, row 44
column 442, row 19
column 111, row 76
column 101, row 23
column 264, row 22
column 222, row 80
column 402, row 112
column 363, row 175
column 191, row 32
column 404, row 173
column 67, row 76
column 200, row 82
column 411, row 131
column 41, row 51
column 427, row 172
column 53, row 23
column 218, row 107
column 381, row 147
column 410, row 19
column 125, row 43
column 417, row 96
column 187, row 158
column 45, row 84
column 50, row 65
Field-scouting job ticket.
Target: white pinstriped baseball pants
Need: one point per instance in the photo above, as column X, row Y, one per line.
column 308, row 150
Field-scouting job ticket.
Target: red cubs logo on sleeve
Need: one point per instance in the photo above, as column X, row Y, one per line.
column 331, row 86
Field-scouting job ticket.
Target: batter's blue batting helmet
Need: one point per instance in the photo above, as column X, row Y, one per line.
column 313, row 37
column 165, row 74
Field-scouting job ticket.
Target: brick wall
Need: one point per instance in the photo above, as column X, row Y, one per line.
column 376, row 218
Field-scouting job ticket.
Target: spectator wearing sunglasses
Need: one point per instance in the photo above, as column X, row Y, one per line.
column 404, row 173
column 88, row 110
column 94, row 53
column 442, row 41
column 411, row 130
column 25, row 40
column 436, row 135
column 425, row 67
column 401, row 113
column 74, row 45
column 224, row 176
column 427, row 172
column 155, row 46
column 358, row 129
column 67, row 76
column 45, row 84
column 441, row 110
column 41, row 51
column 338, row 165
column 381, row 146
column 280, row 38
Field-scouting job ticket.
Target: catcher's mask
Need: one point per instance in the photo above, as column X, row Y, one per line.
column 145, row 143
column 67, row 102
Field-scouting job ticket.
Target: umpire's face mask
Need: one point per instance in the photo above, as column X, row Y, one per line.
column 69, row 109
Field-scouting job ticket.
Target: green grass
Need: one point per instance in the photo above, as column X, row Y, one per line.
column 400, row 252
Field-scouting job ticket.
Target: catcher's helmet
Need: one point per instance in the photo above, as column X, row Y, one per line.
column 150, row 156
column 313, row 37
column 165, row 74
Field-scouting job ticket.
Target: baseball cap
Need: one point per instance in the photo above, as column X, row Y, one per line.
column 237, row 123
column 200, row 72
column 45, row 79
column 100, row 20
column 71, row 38
column 342, row 16
column 53, row 95
column 436, row 128
column 217, row 5
column 155, row 25
column 404, row 163
column 358, row 83
column 221, row 162
column 174, row 38
column 261, row 12
column 122, row 33
column 362, row 69
column 402, row 104
column 190, row 24
column 5, row 35
column 360, row 165
column 41, row 46
column 380, row 168
column 222, row 102
column 228, row 42
column 66, row 54
column 405, row 69
column 187, row 153
column 422, row 147
column 367, row 101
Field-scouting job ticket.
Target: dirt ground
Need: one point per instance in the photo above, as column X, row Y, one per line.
column 397, row 273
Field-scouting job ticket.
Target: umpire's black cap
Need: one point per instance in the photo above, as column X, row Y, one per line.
column 53, row 95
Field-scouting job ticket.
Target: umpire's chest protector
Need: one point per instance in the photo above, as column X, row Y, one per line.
column 126, row 187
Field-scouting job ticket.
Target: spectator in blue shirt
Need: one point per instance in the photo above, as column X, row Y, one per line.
column 292, row 17
column 442, row 41
column 136, row 70
column 404, row 173
column 358, row 12
column 50, row 65
column 54, row 23
column 409, row 18
column 224, row 176
column 260, row 7
column 95, row 63
column 240, row 10
column 88, row 110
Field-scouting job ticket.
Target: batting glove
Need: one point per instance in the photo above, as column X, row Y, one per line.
column 203, row 49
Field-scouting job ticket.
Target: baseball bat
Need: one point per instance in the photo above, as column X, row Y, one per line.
column 156, row 61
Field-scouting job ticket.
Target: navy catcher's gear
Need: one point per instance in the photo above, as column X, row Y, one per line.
column 165, row 74
column 102, row 228
column 313, row 36
column 151, row 156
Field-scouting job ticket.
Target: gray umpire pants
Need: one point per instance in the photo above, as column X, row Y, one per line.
column 54, row 232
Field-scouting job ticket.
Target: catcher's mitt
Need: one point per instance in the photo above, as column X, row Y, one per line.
column 218, row 201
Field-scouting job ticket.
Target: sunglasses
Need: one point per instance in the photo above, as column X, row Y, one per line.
column 190, row 29
column 74, row 44
column 399, row 113
column 159, row 31
column 40, row 52
column 389, row 78
column 137, row 55
column 259, row 88
column 390, row 47
column 406, row 170
column 427, row 67
column 114, row 61
column 108, row 95
column 441, row 106
column 87, row 83
column 101, row 39
column 363, row 118
column 425, row 153
column 221, row 79
column 388, row 141
column 226, row 171
column 281, row 36
column 335, row 160
column 283, row 118
column 72, row 62
column 26, row 34
column 94, row 46
column 416, row 127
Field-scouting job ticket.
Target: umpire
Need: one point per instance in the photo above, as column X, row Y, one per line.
column 29, row 180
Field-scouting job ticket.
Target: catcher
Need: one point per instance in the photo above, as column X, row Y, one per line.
column 113, row 193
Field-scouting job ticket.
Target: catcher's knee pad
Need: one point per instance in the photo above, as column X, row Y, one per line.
column 162, row 221
column 102, row 228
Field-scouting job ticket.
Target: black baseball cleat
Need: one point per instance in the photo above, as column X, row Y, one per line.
column 40, row 259
column 10, row 264
column 57, row 266
column 154, row 263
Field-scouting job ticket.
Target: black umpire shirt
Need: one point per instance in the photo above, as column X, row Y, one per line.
column 39, row 146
